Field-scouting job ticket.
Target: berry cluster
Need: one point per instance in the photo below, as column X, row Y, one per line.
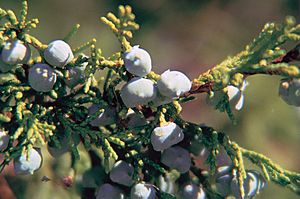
column 140, row 91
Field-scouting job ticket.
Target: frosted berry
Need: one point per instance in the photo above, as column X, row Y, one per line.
column 289, row 91
column 142, row 191
column 122, row 173
column 134, row 119
column 236, row 96
column 58, row 53
column 76, row 75
column 138, row 91
column 108, row 191
column 224, row 177
column 41, row 77
column 166, row 136
column 201, row 152
column 177, row 158
column 137, row 61
column 105, row 118
column 28, row 164
column 251, row 185
column 192, row 191
column 13, row 53
column 261, row 180
column 4, row 140
column 223, row 158
column 173, row 84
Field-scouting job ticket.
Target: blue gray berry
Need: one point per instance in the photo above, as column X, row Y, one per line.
column 138, row 91
column 41, row 77
column 134, row 119
column 13, row 53
column 201, row 152
column 236, row 95
column 76, row 75
column 253, row 184
column 137, row 61
column 25, row 165
column 224, row 177
column 58, row 53
column 192, row 191
column 108, row 191
column 142, row 191
column 173, row 84
column 166, row 136
column 177, row 158
column 122, row 173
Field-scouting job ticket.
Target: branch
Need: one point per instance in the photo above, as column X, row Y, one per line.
column 292, row 55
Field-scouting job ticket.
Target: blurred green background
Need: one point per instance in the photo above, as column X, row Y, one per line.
column 186, row 35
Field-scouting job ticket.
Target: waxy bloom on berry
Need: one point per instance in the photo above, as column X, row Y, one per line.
column 76, row 75
column 41, row 77
column 108, row 191
column 138, row 91
column 236, row 96
column 13, row 53
column 253, row 184
column 28, row 164
column 166, row 136
column 137, row 61
column 122, row 173
column 192, row 191
column 58, row 53
column 173, row 84
column 177, row 158
column 142, row 191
